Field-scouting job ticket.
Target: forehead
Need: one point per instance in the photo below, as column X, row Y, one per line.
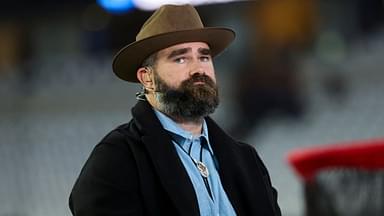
column 191, row 45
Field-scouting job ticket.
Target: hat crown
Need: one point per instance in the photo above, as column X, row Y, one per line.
column 170, row 18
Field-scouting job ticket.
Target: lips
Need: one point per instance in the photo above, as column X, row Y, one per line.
column 199, row 83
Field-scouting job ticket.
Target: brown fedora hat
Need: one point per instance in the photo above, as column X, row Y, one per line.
column 169, row 25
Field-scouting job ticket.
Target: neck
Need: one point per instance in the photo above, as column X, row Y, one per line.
column 194, row 126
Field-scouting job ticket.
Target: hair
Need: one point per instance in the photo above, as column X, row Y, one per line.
column 150, row 61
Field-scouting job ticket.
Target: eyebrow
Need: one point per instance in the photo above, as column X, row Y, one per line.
column 205, row 51
column 178, row 52
column 174, row 53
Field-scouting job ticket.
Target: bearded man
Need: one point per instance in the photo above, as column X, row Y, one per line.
column 171, row 158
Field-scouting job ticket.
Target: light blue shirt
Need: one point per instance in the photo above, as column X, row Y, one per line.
column 220, row 204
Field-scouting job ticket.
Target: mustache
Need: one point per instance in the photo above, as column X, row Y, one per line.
column 199, row 78
column 186, row 85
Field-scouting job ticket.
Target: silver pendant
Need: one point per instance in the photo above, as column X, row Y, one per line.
column 202, row 169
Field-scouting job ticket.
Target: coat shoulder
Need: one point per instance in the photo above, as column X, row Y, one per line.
column 109, row 174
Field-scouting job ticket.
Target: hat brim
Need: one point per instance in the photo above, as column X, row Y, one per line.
column 129, row 58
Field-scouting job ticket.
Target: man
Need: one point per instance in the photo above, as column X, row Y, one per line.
column 171, row 158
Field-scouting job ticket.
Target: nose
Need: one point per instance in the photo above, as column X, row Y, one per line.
column 196, row 68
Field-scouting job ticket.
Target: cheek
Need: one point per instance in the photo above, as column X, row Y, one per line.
column 176, row 78
column 169, row 75
column 210, row 71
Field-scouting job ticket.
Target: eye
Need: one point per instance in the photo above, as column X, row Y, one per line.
column 180, row 60
column 205, row 58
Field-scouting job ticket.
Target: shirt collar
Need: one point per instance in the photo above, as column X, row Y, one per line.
column 179, row 134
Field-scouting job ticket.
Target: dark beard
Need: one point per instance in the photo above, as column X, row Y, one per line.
column 189, row 101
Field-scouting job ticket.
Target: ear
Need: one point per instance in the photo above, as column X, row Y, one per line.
column 145, row 76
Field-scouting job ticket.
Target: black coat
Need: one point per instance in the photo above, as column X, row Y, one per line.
column 135, row 170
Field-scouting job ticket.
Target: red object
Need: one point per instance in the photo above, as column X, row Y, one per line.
column 366, row 154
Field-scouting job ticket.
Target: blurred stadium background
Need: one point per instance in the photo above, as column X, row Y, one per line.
column 300, row 73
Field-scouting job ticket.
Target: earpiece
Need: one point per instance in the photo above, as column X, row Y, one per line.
column 148, row 69
column 144, row 75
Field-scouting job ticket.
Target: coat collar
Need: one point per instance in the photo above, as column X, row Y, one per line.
column 168, row 165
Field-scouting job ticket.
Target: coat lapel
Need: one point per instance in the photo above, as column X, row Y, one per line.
column 219, row 142
column 167, row 163
column 246, row 190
